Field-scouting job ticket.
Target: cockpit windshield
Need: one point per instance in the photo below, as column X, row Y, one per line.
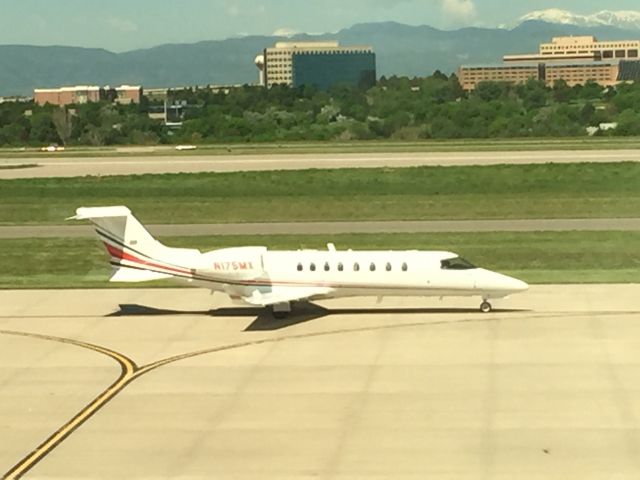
column 457, row 263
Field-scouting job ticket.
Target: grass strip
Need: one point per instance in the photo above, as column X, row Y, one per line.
column 544, row 257
column 587, row 190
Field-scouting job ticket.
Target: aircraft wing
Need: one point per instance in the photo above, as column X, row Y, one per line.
column 285, row 294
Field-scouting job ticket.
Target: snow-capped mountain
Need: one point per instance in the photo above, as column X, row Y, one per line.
column 625, row 19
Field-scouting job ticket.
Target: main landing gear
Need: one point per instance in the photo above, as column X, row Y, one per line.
column 486, row 307
column 281, row 310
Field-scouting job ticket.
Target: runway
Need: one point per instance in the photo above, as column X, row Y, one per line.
column 337, row 228
column 175, row 383
column 47, row 166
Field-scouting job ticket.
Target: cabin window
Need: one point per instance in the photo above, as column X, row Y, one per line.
column 356, row 267
column 340, row 267
column 312, row 267
column 372, row 267
column 327, row 267
column 389, row 267
column 457, row 263
column 300, row 267
column 405, row 267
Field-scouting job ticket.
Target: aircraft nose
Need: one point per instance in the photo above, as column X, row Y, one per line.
column 518, row 285
column 493, row 281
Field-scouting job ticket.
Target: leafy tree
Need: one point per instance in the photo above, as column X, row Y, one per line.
column 16, row 133
column 397, row 108
column 587, row 113
column 562, row 92
column 490, row 91
column 438, row 75
column 42, row 128
column 534, row 94
column 63, row 123
column 627, row 98
column 591, row 90
column 628, row 123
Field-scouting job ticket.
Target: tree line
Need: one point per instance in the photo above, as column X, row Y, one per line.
column 397, row 108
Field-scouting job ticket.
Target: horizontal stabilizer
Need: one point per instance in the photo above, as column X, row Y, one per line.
column 132, row 275
column 286, row 294
column 88, row 213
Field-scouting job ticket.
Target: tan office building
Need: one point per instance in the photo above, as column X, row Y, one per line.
column 574, row 73
column 579, row 73
column 278, row 60
column 82, row 94
column 127, row 94
column 581, row 48
column 277, row 63
column 471, row 76
column 575, row 60
column 67, row 95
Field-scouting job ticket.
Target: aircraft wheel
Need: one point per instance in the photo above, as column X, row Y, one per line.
column 281, row 310
column 485, row 307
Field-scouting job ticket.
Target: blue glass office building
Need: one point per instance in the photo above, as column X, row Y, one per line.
column 327, row 69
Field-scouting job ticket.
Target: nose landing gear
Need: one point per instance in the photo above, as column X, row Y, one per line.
column 486, row 307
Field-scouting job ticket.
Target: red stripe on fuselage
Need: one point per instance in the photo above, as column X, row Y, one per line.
column 122, row 255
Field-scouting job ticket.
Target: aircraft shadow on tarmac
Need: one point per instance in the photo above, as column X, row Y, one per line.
column 301, row 313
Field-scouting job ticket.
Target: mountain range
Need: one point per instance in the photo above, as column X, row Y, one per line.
column 400, row 50
column 626, row 19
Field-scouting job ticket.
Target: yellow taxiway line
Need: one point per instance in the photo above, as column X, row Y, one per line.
column 130, row 371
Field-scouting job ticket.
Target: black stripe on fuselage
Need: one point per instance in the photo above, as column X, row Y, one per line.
column 236, row 283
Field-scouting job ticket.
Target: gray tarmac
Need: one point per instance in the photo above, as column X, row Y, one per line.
column 83, row 166
column 547, row 388
column 336, row 228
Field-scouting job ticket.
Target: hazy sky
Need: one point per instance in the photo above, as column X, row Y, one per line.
column 121, row 25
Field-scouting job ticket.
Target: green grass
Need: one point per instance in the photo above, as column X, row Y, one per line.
column 587, row 190
column 572, row 257
column 336, row 147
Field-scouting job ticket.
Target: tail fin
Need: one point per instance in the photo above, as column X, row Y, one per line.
column 117, row 227
column 137, row 255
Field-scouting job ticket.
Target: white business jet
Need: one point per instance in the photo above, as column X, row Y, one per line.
column 259, row 277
